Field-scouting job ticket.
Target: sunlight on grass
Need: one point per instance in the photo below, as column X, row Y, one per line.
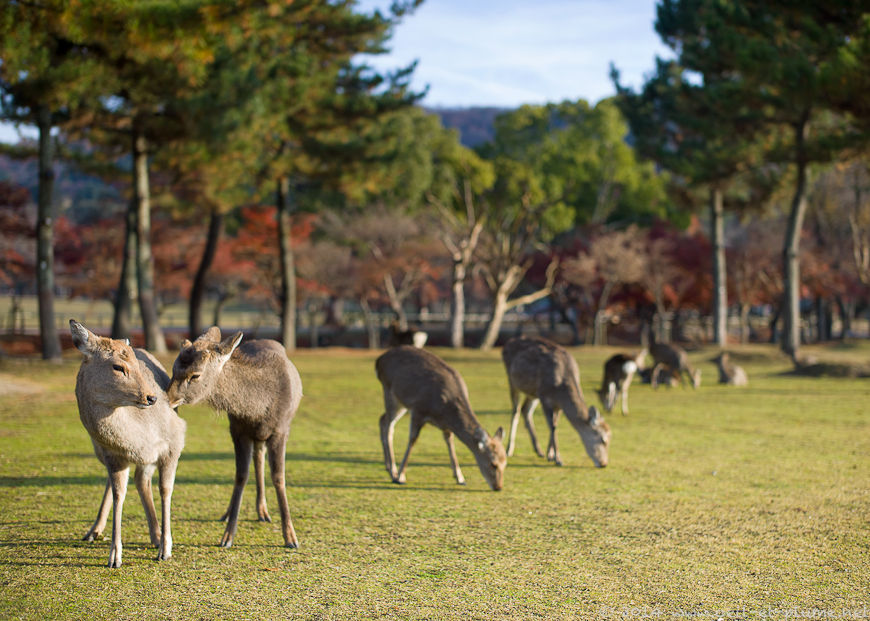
column 720, row 499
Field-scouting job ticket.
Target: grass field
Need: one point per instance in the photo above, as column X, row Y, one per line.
column 720, row 503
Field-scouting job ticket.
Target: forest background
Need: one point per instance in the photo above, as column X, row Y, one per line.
column 241, row 155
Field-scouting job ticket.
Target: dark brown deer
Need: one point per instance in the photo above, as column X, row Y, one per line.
column 259, row 388
column 416, row 380
column 730, row 373
column 619, row 370
column 672, row 360
column 545, row 372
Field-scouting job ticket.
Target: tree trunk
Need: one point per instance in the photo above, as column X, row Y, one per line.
column 197, row 292
column 498, row 310
column 846, row 311
column 154, row 340
column 720, row 286
column 371, row 328
column 288, row 269
column 125, row 295
column 791, row 250
column 45, row 240
column 457, row 306
column 744, row 323
column 396, row 303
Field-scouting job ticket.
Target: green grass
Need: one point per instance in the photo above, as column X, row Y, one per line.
column 751, row 502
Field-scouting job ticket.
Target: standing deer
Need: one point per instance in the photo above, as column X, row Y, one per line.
column 259, row 389
column 674, row 360
column 416, row 380
column 619, row 370
column 123, row 406
column 730, row 373
column 545, row 372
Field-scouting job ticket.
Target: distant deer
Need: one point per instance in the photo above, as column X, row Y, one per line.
column 545, row 372
column 416, row 380
column 619, row 370
column 730, row 373
column 414, row 337
column 259, row 389
column 123, row 406
column 674, row 361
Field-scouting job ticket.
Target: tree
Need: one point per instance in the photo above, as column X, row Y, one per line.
column 44, row 75
column 781, row 58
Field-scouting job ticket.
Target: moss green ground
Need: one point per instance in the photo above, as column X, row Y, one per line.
column 722, row 502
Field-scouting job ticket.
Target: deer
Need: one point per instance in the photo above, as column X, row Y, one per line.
column 259, row 388
column 546, row 373
column 730, row 373
column 411, row 336
column 418, row 381
column 619, row 370
column 674, row 360
column 123, row 407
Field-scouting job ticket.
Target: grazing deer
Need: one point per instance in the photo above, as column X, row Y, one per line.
column 674, row 361
column 123, row 406
column 545, row 372
column 730, row 373
column 259, row 389
column 414, row 337
column 619, row 370
column 416, row 380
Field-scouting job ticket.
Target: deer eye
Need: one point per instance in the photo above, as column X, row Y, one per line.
column 118, row 367
column 194, row 377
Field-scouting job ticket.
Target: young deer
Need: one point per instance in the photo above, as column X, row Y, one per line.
column 259, row 389
column 545, row 372
column 619, row 370
column 674, row 360
column 730, row 373
column 123, row 406
column 416, row 380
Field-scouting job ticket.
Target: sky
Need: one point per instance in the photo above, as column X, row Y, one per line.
column 506, row 53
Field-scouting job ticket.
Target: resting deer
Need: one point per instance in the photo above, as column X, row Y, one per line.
column 259, row 389
column 545, row 372
column 416, row 380
column 730, row 373
column 619, row 370
column 674, row 360
column 123, row 406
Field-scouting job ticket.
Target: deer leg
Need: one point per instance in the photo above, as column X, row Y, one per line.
column 260, row 476
column 448, row 436
column 244, row 450
column 529, row 406
column 515, row 419
column 552, row 416
column 118, row 476
column 393, row 412
column 277, row 446
column 167, row 484
column 654, row 377
column 143, row 485
column 413, row 434
column 99, row 525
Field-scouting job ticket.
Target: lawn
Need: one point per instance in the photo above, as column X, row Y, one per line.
column 718, row 503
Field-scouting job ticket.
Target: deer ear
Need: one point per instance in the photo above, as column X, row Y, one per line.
column 594, row 415
column 185, row 344
column 82, row 338
column 213, row 334
column 228, row 346
column 499, row 434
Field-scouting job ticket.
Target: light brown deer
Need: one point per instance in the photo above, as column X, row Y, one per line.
column 417, row 380
column 123, row 406
column 674, row 360
column 730, row 373
column 619, row 370
column 545, row 372
column 260, row 389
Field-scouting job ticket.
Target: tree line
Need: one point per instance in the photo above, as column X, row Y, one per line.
column 255, row 143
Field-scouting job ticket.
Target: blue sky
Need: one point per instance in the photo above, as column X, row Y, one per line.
column 510, row 52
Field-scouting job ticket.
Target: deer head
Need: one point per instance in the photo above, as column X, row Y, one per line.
column 198, row 366
column 596, row 437
column 492, row 458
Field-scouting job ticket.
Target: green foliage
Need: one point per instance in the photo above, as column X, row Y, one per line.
column 714, row 500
